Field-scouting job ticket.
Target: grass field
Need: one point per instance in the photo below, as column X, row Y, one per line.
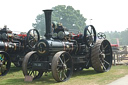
column 85, row 77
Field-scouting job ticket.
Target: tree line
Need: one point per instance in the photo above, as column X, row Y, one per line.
column 121, row 36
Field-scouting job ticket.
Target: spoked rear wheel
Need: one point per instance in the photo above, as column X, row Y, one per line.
column 101, row 56
column 62, row 67
column 27, row 65
column 5, row 63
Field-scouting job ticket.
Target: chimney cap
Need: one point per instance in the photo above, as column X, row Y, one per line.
column 48, row 10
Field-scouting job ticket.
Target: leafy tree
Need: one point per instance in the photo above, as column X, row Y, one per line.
column 40, row 24
column 67, row 15
column 124, row 36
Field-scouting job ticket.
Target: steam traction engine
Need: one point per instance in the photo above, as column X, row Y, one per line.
column 13, row 47
column 63, row 52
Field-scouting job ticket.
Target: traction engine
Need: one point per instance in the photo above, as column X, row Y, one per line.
column 63, row 52
column 13, row 47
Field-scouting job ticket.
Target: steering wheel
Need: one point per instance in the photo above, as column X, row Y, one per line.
column 89, row 35
column 32, row 37
column 101, row 35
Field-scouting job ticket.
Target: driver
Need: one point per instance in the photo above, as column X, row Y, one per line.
column 56, row 27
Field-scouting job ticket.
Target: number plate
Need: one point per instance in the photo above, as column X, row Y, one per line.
column 40, row 65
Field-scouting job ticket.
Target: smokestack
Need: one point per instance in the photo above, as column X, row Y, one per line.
column 48, row 33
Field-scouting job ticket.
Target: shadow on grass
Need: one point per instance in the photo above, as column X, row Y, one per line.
column 14, row 69
column 84, row 72
column 12, row 81
column 20, row 81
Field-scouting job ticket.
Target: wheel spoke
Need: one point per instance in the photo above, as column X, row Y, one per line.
column 102, row 65
column 67, row 60
column 106, row 46
column 34, row 34
column 68, row 69
column 100, row 51
column 60, row 75
column 107, row 54
column 99, row 36
column 58, row 70
column 61, row 60
column 103, row 35
column 65, row 76
column 93, row 34
column 59, row 65
column 89, row 31
column 106, row 62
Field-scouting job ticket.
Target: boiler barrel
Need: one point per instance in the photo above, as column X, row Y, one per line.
column 55, row 46
column 10, row 47
column 51, row 46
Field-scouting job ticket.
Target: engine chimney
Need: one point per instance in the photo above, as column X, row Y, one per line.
column 48, row 27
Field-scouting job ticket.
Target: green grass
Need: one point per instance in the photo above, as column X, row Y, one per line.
column 85, row 77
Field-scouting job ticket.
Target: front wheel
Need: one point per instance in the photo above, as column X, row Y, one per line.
column 27, row 65
column 62, row 67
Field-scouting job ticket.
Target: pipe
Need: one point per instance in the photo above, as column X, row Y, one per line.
column 48, row 27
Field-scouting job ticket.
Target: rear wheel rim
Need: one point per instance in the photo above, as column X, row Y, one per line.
column 105, row 55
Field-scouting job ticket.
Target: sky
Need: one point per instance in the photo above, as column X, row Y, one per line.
column 106, row 15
